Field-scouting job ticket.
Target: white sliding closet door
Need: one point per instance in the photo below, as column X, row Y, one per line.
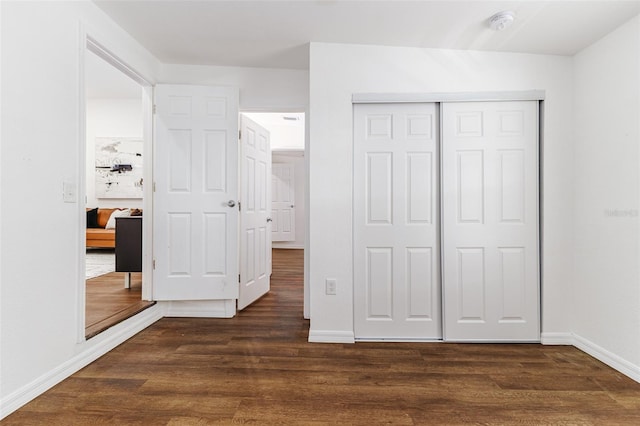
column 396, row 222
column 490, row 221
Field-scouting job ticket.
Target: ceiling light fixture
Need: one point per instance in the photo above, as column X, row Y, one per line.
column 501, row 20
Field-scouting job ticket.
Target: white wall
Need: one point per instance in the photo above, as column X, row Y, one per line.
column 297, row 159
column 606, row 285
column 285, row 137
column 284, row 134
column 41, row 235
column 261, row 89
column 338, row 71
column 105, row 118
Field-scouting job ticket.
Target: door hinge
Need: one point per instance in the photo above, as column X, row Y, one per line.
column 154, row 187
column 154, row 108
column 239, row 134
column 154, row 264
column 238, row 278
column 239, row 206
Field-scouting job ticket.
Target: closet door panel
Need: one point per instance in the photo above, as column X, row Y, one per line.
column 490, row 221
column 396, row 222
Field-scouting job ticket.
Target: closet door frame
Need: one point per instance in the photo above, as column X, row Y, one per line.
column 494, row 96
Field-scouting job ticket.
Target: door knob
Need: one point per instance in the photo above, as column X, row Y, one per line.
column 291, row 206
column 269, row 219
column 231, row 203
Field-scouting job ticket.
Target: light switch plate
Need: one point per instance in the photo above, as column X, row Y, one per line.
column 69, row 192
column 330, row 286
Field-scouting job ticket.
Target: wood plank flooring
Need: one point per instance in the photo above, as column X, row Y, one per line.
column 258, row 368
column 108, row 302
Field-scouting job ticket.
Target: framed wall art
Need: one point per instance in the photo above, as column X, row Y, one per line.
column 118, row 167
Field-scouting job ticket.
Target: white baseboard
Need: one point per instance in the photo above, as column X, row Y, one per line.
column 331, row 336
column 96, row 347
column 397, row 340
column 555, row 338
column 612, row 360
column 293, row 246
column 201, row 308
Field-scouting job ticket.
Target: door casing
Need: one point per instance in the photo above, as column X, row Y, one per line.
column 90, row 43
column 438, row 98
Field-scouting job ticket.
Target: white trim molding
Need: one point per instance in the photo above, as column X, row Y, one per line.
column 556, row 338
column 201, row 308
column 280, row 246
column 90, row 44
column 97, row 48
column 612, row 360
column 397, row 340
column 375, row 98
column 331, row 336
column 98, row 346
column 601, row 354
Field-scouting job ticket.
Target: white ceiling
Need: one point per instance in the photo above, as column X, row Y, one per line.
column 276, row 33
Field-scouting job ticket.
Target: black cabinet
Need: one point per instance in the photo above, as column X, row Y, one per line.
column 129, row 244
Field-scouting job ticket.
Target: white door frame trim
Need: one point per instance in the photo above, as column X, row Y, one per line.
column 374, row 98
column 449, row 97
column 96, row 47
column 89, row 43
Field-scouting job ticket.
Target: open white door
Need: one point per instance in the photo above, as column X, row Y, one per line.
column 195, row 215
column 255, row 223
column 283, row 210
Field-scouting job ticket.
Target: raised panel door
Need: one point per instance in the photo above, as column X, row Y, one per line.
column 490, row 221
column 255, row 225
column 283, row 202
column 396, row 222
column 195, row 167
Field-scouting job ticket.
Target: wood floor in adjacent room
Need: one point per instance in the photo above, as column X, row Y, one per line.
column 108, row 302
column 258, row 368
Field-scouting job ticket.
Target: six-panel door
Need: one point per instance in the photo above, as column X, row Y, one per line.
column 195, row 227
column 490, row 221
column 283, row 202
column 255, row 227
column 396, row 222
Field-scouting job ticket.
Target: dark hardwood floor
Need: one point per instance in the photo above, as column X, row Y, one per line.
column 108, row 302
column 258, row 368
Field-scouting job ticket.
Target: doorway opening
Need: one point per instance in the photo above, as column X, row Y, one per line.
column 115, row 153
column 288, row 180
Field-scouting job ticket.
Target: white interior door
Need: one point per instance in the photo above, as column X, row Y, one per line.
column 396, row 222
column 255, row 223
column 490, row 221
column 283, row 202
column 195, row 219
